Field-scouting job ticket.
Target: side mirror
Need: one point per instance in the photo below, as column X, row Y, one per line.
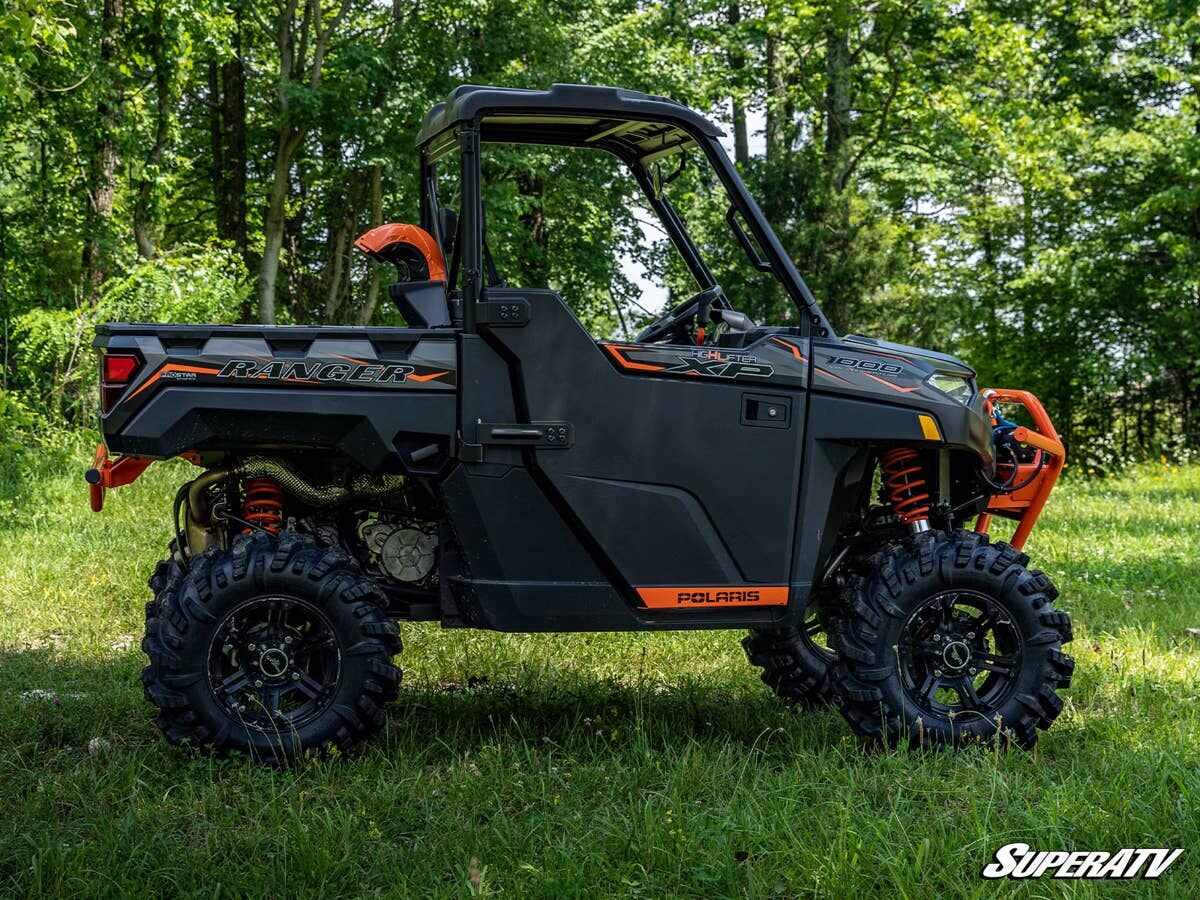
column 448, row 226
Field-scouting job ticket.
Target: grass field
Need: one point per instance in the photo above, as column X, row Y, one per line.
column 550, row 766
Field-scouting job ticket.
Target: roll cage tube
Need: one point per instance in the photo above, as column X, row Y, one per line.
column 468, row 137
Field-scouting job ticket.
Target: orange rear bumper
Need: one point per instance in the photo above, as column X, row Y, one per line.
column 1025, row 505
column 108, row 473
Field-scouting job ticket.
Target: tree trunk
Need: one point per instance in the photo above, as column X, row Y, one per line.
column 293, row 67
column 837, row 98
column 273, row 223
column 737, row 62
column 333, row 299
column 836, row 208
column 231, row 223
column 368, row 309
column 774, row 122
column 146, row 225
column 97, row 248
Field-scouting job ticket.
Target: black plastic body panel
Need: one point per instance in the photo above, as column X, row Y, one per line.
column 368, row 394
column 671, row 472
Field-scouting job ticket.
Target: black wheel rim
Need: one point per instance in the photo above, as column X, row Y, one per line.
column 960, row 654
column 274, row 663
column 814, row 634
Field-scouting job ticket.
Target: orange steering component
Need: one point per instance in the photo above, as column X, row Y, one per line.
column 381, row 242
column 1026, row 504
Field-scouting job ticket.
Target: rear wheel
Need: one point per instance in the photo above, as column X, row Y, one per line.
column 951, row 640
column 796, row 661
column 274, row 648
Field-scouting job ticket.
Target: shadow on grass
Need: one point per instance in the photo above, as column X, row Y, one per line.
column 59, row 704
column 600, row 712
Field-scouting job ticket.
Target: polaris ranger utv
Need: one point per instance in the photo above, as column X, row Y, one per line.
column 495, row 466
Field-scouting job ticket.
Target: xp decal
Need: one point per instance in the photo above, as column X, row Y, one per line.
column 699, row 362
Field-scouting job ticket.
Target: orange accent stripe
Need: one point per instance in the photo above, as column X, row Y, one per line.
column 630, row 364
column 427, row 377
column 894, row 387
column 795, row 352
column 833, row 375
column 689, row 596
column 173, row 367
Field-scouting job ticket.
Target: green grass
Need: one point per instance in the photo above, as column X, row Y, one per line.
column 633, row 765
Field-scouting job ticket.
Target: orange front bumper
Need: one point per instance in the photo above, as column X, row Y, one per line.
column 1025, row 505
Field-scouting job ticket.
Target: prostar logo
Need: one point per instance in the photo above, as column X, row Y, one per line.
column 1020, row 861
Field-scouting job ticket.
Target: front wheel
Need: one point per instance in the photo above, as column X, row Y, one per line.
column 274, row 648
column 949, row 641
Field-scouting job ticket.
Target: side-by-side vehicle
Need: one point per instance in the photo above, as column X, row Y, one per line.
column 493, row 465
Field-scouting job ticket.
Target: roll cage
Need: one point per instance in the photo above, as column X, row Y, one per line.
column 639, row 129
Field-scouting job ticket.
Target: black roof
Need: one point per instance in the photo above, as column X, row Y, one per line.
column 629, row 123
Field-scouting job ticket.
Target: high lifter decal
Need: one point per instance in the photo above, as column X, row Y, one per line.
column 698, row 362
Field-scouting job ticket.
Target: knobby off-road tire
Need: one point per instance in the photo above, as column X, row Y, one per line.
column 951, row 640
column 794, row 662
column 275, row 647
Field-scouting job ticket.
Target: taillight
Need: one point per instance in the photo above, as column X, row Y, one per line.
column 116, row 372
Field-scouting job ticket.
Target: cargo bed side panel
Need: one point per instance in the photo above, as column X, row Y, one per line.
column 373, row 395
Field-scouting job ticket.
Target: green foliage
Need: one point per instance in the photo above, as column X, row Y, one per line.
column 52, row 347
column 1014, row 182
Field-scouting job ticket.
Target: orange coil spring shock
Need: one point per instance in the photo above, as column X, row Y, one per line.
column 262, row 504
column 904, row 486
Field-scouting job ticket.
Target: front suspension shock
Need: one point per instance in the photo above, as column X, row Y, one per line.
column 905, row 487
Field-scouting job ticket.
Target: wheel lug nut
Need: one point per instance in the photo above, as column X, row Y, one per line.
column 287, row 640
column 937, row 673
column 971, row 635
column 974, row 671
column 258, row 683
column 250, row 647
column 295, row 676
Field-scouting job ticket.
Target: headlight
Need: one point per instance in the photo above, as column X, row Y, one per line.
column 955, row 386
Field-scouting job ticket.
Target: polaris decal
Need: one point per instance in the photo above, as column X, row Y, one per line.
column 688, row 597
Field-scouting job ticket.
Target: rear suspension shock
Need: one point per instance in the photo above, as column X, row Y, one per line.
column 904, row 487
column 262, row 504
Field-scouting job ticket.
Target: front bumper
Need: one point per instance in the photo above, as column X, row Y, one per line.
column 1026, row 504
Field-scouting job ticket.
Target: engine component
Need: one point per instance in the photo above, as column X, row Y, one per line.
column 362, row 487
column 904, row 488
column 403, row 550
